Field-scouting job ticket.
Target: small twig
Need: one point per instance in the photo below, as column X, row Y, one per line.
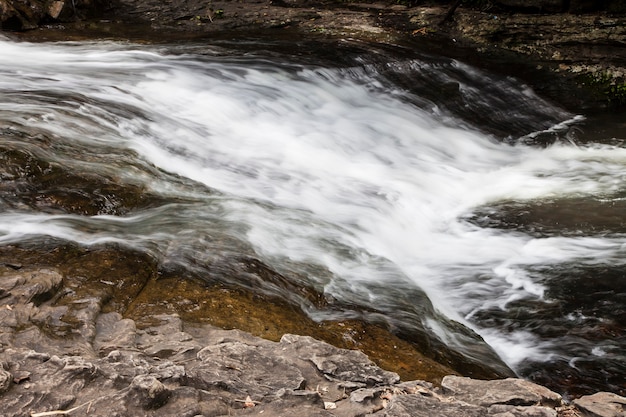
column 59, row 412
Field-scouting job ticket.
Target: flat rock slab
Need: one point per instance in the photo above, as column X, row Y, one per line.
column 510, row 391
column 602, row 404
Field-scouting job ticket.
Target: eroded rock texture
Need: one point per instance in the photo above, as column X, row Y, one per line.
column 108, row 366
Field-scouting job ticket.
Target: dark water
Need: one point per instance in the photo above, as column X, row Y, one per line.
column 440, row 199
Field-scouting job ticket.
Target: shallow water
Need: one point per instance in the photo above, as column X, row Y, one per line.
column 414, row 186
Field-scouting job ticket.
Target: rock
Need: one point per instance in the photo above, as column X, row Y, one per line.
column 148, row 392
column 535, row 5
column 5, row 380
column 167, row 339
column 55, row 8
column 19, row 16
column 30, row 286
column 421, row 406
column 235, row 373
column 517, row 411
column 340, row 364
column 239, row 367
column 113, row 333
column 510, row 391
column 602, row 404
column 582, row 6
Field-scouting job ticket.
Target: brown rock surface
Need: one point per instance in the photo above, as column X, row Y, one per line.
column 602, row 404
column 74, row 355
column 576, row 58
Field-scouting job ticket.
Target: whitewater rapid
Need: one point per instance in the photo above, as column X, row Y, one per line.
column 335, row 168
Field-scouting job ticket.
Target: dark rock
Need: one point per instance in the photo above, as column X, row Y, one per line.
column 535, row 5
column 616, row 6
column 583, row 6
column 602, row 404
column 17, row 15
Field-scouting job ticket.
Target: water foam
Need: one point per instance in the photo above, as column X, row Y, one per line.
column 323, row 168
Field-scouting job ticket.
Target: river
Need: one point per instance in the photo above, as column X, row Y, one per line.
column 413, row 186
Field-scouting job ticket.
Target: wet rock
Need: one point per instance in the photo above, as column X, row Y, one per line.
column 535, row 5
column 510, row 391
column 52, row 187
column 602, row 404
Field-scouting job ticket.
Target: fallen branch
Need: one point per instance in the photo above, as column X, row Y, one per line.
column 59, row 412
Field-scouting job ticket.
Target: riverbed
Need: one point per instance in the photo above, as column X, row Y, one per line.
column 449, row 204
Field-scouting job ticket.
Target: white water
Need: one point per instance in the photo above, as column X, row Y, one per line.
column 312, row 167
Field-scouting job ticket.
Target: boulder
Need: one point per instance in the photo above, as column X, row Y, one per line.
column 602, row 404
column 510, row 391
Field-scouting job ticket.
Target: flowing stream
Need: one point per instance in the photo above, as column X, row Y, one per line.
column 418, row 188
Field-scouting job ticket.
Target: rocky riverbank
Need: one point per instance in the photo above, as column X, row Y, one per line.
column 108, row 365
column 573, row 52
column 89, row 328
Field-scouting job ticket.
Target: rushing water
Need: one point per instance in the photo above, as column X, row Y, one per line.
column 377, row 180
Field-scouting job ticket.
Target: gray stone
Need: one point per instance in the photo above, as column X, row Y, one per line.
column 414, row 405
column 602, row 404
column 240, row 368
column 517, row 411
column 109, row 367
column 340, row 364
column 5, row 380
column 148, row 392
column 30, row 286
column 166, row 340
column 113, row 333
column 510, row 391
